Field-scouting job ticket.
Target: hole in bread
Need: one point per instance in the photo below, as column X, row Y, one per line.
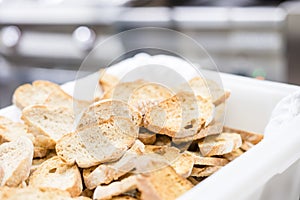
column 134, row 169
column 193, row 121
column 52, row 170
column 200, row 166
column 45, row 117
column 188, row 126
column 194, row 147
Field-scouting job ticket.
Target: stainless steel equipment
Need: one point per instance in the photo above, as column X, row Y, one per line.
column 250, row 41
column 292, row 38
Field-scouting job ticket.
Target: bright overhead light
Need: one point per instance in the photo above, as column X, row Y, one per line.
column 10, row 36
column 84, row 36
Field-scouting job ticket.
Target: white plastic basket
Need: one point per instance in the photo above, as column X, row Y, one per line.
column 268, row 171
column 271, row 169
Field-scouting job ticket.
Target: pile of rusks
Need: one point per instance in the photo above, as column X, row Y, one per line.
column 139, row 140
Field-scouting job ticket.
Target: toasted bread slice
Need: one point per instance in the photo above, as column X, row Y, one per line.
column 87, row 193
column 10, row 130
column 100, row 143
column 103, row 110
column 246, row 145
column 15, row 160
column 40, row 152
column 138, row 158
column 37, row 93
column 107, row 81
column 115, row 188
column 207, row 89
column 54, row 173
column 146, row 136
column 147, row 95
column 156, row 157
column 36, row 162
column 233, row 155
column 123, row 197
column 163, row 184
column 7, row 193
column 254, row 138
column 23, row 184
column 71, row 149
column 209, row 161
column 220, row 144
column 184, row 164
column 49, row 123
column 194, row 180
column 162, row 140
column 204, row 171
column 212, row 129
column 81, row 198
column 59, row 98
column 123, row 91
column 106, row 173
column 181, row 116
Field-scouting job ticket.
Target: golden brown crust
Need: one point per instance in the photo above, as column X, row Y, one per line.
column 204, row 171
column 47, row 123
column 37, row 93
column 246, row 145
column 147, row 138
column 254, row 138
column 16, row 159
column 123, row 197
column 209, row 161
column 7, row 193
column 115, row 188
column 54, row 173
column 233, row 155
column 219, row 144
column 103, row 110
column 208, row 89
column 180, row 116
column 183, row 165
column 163, row 184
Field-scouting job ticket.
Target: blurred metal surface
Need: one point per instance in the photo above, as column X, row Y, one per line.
column 292, row 35
column 11, row 77
column 232, row 36
column 240, row 40
column 44, row 34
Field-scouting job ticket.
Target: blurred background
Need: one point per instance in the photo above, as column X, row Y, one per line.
column 48, row 39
